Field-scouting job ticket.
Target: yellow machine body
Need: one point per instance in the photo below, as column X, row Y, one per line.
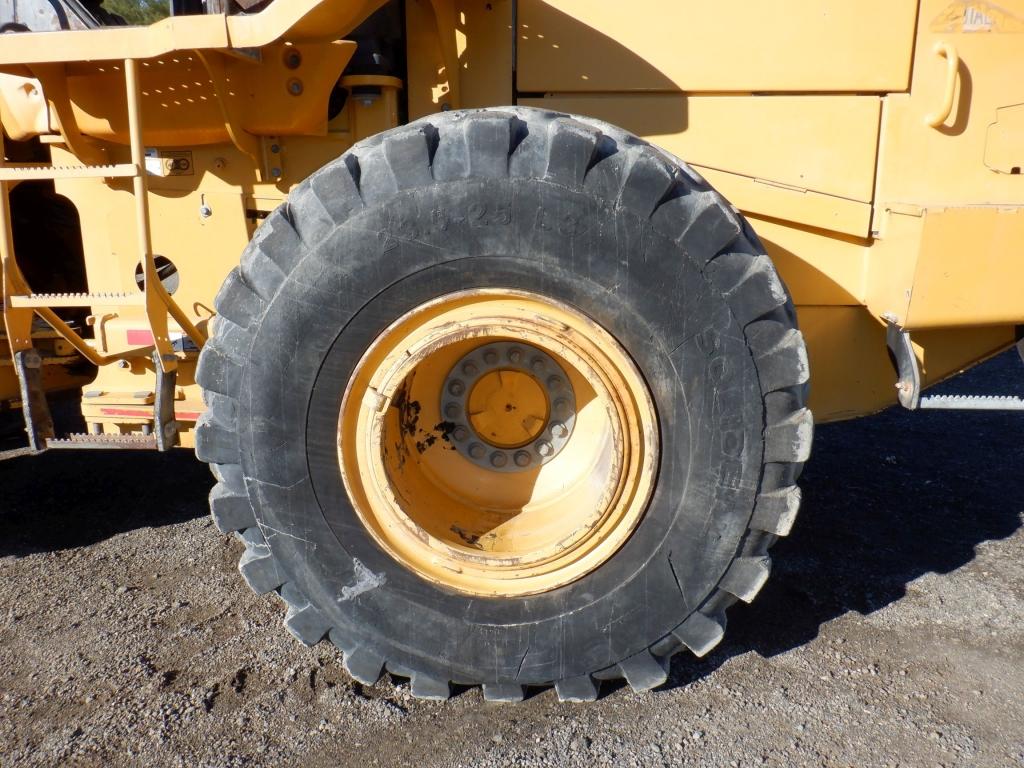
column 875, row 147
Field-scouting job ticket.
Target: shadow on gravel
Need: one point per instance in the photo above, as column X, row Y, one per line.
column 887, row 499
column 65, row 499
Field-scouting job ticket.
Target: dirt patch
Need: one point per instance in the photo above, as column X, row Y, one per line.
column 890, row 633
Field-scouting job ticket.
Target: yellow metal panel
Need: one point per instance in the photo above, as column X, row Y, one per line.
column 818, row 267
column 970, row 269
column 485, row 52
column 811, row 209
column 202, row 248
column 1004, row 141
column 851, row 374
column 23, row 110
column 107, row 43
column 180, row 104
column 822, row 143
column 948, row 351
column 946, row 166
column 427, row 85
column 850, row 370
column 294, row 20
column 727, row 45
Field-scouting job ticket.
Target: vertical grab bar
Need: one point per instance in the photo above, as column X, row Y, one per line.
column 948, row 52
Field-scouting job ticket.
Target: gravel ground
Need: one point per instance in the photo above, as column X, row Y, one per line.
column 891, row 632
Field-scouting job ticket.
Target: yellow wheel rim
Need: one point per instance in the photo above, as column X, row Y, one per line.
column 498, row 442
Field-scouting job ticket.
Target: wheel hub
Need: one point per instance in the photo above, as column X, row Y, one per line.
column 497, row 442
column 509, row 406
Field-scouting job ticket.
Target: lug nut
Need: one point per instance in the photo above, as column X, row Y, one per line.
column 561, row 407
column 460, row 433
column 523, row 458
column 499, row 459
column 490, row 357
column 470, row 369
column 544, row 448
column 451, row 410
column 558, row 429
column 456, row 387
column 477, row 451
column 537, row 365
column 555, row 382
column 515, row 354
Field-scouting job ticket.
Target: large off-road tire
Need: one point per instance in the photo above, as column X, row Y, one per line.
column 426, row 254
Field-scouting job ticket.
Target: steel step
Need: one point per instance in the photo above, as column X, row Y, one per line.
column 42, row 171
column 79, row 441
column 77, row 299
column 973, row 402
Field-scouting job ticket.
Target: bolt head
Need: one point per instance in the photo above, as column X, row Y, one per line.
column 544, row 448
column 499, row 459
column 523, row 458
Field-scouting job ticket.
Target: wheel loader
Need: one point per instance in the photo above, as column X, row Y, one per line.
column 496, row 321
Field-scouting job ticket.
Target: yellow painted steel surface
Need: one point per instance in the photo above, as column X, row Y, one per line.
column 876, row 147
column 809, row 159
column 727, row 45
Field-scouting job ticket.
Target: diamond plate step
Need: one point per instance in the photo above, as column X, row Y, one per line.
column 973, row 402
column 126, row 442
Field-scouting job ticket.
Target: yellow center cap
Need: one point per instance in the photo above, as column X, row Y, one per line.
column 508, row 408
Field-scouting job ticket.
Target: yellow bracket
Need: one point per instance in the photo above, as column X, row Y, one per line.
column 246, row 143
column 158, row 301
column 54, row 81
column 444, row 15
